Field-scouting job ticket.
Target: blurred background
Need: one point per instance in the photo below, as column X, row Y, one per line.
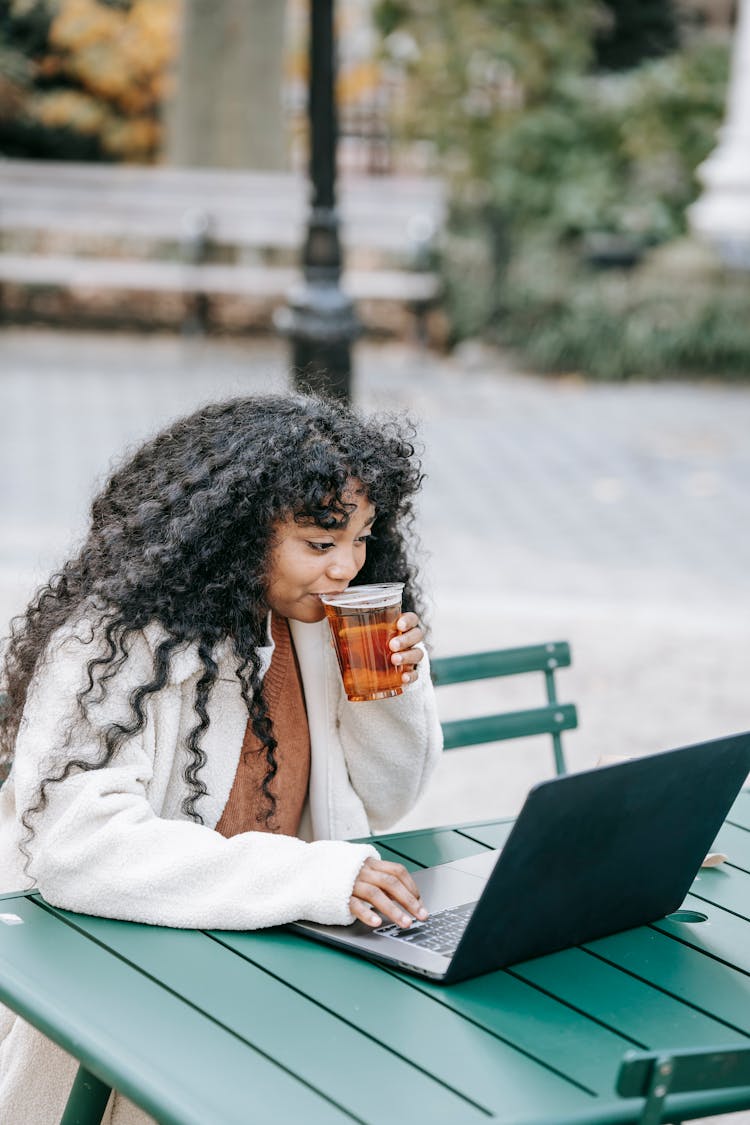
column 537, row 245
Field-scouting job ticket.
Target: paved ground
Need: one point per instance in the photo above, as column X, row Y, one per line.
column 615, row 517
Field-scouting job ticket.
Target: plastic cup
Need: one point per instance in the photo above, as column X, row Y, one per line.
column 363, row 622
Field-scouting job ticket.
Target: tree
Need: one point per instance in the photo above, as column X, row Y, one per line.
column 227, row 110
column 469, row 70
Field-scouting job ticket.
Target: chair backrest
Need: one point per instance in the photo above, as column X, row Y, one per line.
column 552, row 718
column 654, row 1075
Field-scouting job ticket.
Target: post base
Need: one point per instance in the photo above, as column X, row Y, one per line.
column 321, row 324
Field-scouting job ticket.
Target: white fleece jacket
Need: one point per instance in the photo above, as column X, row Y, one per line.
column 114, row 841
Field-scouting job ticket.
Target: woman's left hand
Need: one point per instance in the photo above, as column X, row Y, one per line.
column 406, row 655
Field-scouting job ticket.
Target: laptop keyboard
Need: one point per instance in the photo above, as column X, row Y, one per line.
column 441, row 932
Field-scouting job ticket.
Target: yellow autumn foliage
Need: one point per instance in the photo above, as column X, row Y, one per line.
column 71, row 108
column 359, row 83
column 119, row 61
column 121, row 55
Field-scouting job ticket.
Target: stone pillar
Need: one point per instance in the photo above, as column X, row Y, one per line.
column 722, row 213
column 227, row 109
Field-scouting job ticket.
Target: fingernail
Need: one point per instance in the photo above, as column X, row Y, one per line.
column 375, row 919
column 395, row 643
column 398, row 659
column 401, row 624
column 405, row 922
column 422, row 914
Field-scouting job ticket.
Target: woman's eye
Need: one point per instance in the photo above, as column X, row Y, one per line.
column 318, row 546
column 364, row 539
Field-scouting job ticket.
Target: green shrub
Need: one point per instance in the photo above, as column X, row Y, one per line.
column 614, row 152
column 618, row 325
column 607, row 158
column 556, row 162
column 468, row 70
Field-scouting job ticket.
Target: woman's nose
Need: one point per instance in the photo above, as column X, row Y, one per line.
column 342, row 564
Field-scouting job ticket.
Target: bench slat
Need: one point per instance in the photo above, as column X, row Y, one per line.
column 245, row 208
column 162, row 276
column 258, row 228
column 64, row 222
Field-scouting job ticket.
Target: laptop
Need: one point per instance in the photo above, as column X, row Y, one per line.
column 590, row 854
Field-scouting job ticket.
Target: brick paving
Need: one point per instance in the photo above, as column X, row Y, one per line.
column 615, row 517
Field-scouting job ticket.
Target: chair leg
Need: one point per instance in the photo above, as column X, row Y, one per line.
column 87, row 1101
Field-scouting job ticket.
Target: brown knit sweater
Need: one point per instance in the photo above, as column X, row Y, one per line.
column 247, row 805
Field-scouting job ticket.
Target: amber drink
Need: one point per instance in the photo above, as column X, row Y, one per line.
column 363, row 622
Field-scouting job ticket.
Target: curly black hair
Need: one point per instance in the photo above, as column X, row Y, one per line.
column 181, row 535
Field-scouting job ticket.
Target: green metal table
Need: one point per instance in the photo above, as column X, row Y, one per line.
column 219, row 1028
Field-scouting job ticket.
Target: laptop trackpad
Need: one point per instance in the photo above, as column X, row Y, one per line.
column 445, row 886
column 481, row 864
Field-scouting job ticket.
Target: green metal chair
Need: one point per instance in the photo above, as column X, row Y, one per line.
column 552, row 719
column 654, row 1075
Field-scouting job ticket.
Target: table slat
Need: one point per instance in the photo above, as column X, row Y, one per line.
column 735, row 843
column 621, row 1002
column 394, row 857
column 547, row 1028
column 488, row 835
column 442, row 846
column 715, row 989
column 390, row 1008
column 723, row 936
column 135, row 1035
column 726, row 886
column 265, row 1011
column 740, row 810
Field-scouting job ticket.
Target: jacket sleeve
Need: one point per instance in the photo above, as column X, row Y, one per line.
column 99, row 847
column 391, row 747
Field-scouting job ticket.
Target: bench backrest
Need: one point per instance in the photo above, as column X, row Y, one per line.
column 551, row 719
column 243, row 209
column 654, row 1075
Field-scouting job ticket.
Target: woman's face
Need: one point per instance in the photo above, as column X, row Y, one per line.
column 307, row 560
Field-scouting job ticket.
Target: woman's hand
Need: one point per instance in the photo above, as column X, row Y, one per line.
column 390, row 889
column 405, row 653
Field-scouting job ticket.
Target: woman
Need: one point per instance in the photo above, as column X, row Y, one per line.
column 182, row 749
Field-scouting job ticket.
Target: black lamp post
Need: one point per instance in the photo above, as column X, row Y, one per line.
column 320, row 319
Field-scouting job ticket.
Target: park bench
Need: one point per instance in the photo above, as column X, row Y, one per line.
column 550, row 718
column 87, row 230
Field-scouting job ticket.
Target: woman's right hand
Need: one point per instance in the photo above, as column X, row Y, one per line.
column 384, row 890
